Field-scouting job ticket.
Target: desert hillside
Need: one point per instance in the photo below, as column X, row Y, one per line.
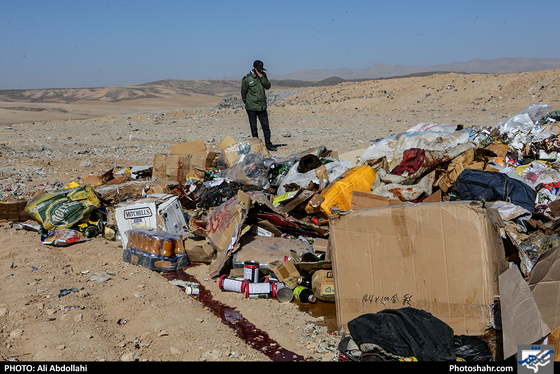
column 84, row 303
column 55, row 140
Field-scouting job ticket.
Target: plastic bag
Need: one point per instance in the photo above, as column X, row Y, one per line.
column 520, row 127
column 63, row 208
column 392, row 148
column 471, row 349
column 401, row 333
column 432, row 126
column 250, row 170
column 63, row 237
column 334, row 170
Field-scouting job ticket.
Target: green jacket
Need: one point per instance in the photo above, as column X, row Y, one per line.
column 253, row 91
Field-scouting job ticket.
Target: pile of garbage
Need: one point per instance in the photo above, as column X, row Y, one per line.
column 271, row 227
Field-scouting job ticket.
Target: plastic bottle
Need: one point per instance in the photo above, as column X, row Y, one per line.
column 304, row 295
column 91, row 231
column 304, row 281
column 167, row 248
column 310, row 257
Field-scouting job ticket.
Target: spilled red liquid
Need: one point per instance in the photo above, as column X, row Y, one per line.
column 249, row 333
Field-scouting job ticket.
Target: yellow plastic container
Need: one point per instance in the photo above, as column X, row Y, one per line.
column 339, row 194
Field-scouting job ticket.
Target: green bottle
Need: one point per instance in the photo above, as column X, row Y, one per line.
column 304, row 295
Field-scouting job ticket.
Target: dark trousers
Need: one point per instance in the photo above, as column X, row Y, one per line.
column 262, row 115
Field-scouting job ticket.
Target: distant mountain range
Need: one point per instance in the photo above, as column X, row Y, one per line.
column 375, row 71
column 305, row 78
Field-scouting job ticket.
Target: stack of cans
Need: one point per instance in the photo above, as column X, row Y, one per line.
column 252, row 286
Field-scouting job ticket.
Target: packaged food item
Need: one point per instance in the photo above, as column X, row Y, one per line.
column 155, row 249
column 63, row 237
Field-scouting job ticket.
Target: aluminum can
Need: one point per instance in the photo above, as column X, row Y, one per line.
column 251, row 271
column 232, row 284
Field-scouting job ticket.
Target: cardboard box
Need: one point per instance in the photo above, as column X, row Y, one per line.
column 157, row 211
column 195, row 148
column 188, row 156
column 14, row 210
column 286, row 272
column 198, row 249
column 364, row 200
column 232, row 153
column 545, row 286
column 522, row 322
column 353, row 157
column 265, row 249
column 226, row 142
column 172, row 167
column 224, row 229
column 444, row 258
column 322, row 284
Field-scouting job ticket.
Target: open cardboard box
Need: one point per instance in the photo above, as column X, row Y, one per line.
column 444, row 258
column 364, row 200
column 156, row 211
column 183, row 158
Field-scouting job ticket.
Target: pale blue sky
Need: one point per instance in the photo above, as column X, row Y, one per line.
column 75, row 43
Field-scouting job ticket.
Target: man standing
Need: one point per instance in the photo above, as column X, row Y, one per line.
column 253, row 86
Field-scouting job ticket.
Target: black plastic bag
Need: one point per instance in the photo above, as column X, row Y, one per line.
column 403, row 333
column 472, row 349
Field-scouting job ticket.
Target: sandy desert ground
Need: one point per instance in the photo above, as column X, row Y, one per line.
column 137, row 315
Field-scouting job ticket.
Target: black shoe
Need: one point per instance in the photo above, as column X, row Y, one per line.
column 271, row 148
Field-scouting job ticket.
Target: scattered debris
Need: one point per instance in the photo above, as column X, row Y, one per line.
column 420, row 227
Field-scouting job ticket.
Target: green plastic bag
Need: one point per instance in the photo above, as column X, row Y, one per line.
column 63, row 208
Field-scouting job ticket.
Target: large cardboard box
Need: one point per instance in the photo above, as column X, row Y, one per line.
column 444, row 258
column 156, row 211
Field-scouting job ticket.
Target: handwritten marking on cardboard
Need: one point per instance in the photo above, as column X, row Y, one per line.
column 381, row 299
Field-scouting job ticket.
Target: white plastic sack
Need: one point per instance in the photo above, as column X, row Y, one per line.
column 334, row 170
column 524, row 122
column 432, row 126
column 393, row 147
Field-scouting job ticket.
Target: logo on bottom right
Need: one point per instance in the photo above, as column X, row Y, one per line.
column 535, row 359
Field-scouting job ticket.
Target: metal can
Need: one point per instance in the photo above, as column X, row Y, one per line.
column 192, row 290
column 264, row 288
column 234, row 284
column 251, row 271
column 284, row 294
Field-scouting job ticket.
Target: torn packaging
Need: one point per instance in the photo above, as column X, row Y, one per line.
column 62, row 208
column 156, row 211
column 224, row 229
column 521, row 320
column 545, row 286
column 225, row 223
column 405, row 192
column 417, row 163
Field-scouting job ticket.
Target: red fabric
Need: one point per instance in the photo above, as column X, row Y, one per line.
column 413, row 159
